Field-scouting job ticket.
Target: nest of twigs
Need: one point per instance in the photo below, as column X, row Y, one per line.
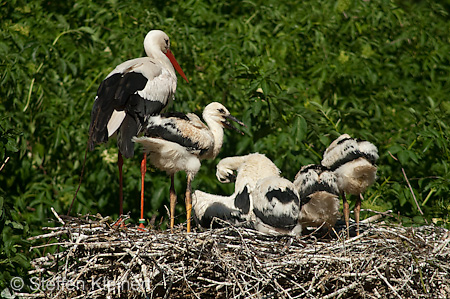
column 95, row 259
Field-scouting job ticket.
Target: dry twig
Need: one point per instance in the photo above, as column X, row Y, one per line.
column 99, row 260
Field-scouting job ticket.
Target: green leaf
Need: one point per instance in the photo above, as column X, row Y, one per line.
column 14, row 224
column 11, row 146
column 300, row 129
column 265, row 87
column 403, row 156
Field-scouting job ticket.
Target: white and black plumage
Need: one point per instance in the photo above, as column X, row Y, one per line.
column 276, row 205
column 135, row 90
column 209, row 206
column 263, row 198
column 319, row 195
column 178, row 142
column 353, row 162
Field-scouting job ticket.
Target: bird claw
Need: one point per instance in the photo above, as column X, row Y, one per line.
column 225, row 175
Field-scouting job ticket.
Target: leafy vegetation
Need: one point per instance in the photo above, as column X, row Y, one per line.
column 297, row 73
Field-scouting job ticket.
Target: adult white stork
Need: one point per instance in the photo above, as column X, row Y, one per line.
column 135, row 90
column 177, row 141
column 353, row 162
column 319, row 195
column 262, row 197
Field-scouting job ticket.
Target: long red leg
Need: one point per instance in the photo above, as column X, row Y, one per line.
column 173, row 202
column 346, row 213
column 188, row 203
column 357, row 211
column 143, row 171
column 120, row 164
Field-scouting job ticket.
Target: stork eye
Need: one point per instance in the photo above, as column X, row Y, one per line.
column 221, row 110
column 167, row 42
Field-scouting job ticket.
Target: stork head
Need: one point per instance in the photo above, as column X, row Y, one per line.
column 157, row 40
column 219, row 114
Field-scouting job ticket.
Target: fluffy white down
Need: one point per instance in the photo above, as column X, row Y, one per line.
column 249, row 168
column 202, row 200
column 356, row 176
column 275, row 207
column 337, row 150
column 169, row 156
column 260, row 175
column 368, row 148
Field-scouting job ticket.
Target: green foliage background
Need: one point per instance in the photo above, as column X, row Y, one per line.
column 298, row 73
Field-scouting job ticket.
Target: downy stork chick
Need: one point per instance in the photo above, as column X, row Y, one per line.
column 276, row 205
column 135, row 90
column 261, row 196
column 353, row 162
column 245, row 171
column 209, row 206
column 319, row 196
column 178, row 142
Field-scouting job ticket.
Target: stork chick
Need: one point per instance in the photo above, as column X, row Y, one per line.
column 209, row 206
column 353, row 162
column 261, row 196
column 319, row 195
column 178, row 142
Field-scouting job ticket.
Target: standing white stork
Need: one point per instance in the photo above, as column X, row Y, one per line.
column 262, row 197
column 319, row 195
column 353, row 162
column 177, row 141
column 135, row 90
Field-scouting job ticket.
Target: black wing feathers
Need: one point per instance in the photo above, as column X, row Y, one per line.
column 169, row 135
column 242, row 201
column 169, row 131
column 221, row 211
column 119, row 92
column 284, row 196
column 128, row 129
column 278, row 221
column 178, row 115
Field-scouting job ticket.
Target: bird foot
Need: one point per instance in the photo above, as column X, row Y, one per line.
column 141, row 225
column 119, row 222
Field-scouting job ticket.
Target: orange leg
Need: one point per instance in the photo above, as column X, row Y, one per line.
column 357, row 211
column 188, row 203
column 346, row 213
column 143, row 170
column 173, row 202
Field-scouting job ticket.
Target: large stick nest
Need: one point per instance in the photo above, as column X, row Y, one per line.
column 95, row 259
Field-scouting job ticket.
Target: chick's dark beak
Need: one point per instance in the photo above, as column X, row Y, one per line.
column 228, row 125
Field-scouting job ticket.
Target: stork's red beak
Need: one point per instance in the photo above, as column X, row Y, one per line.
column 176, row 65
